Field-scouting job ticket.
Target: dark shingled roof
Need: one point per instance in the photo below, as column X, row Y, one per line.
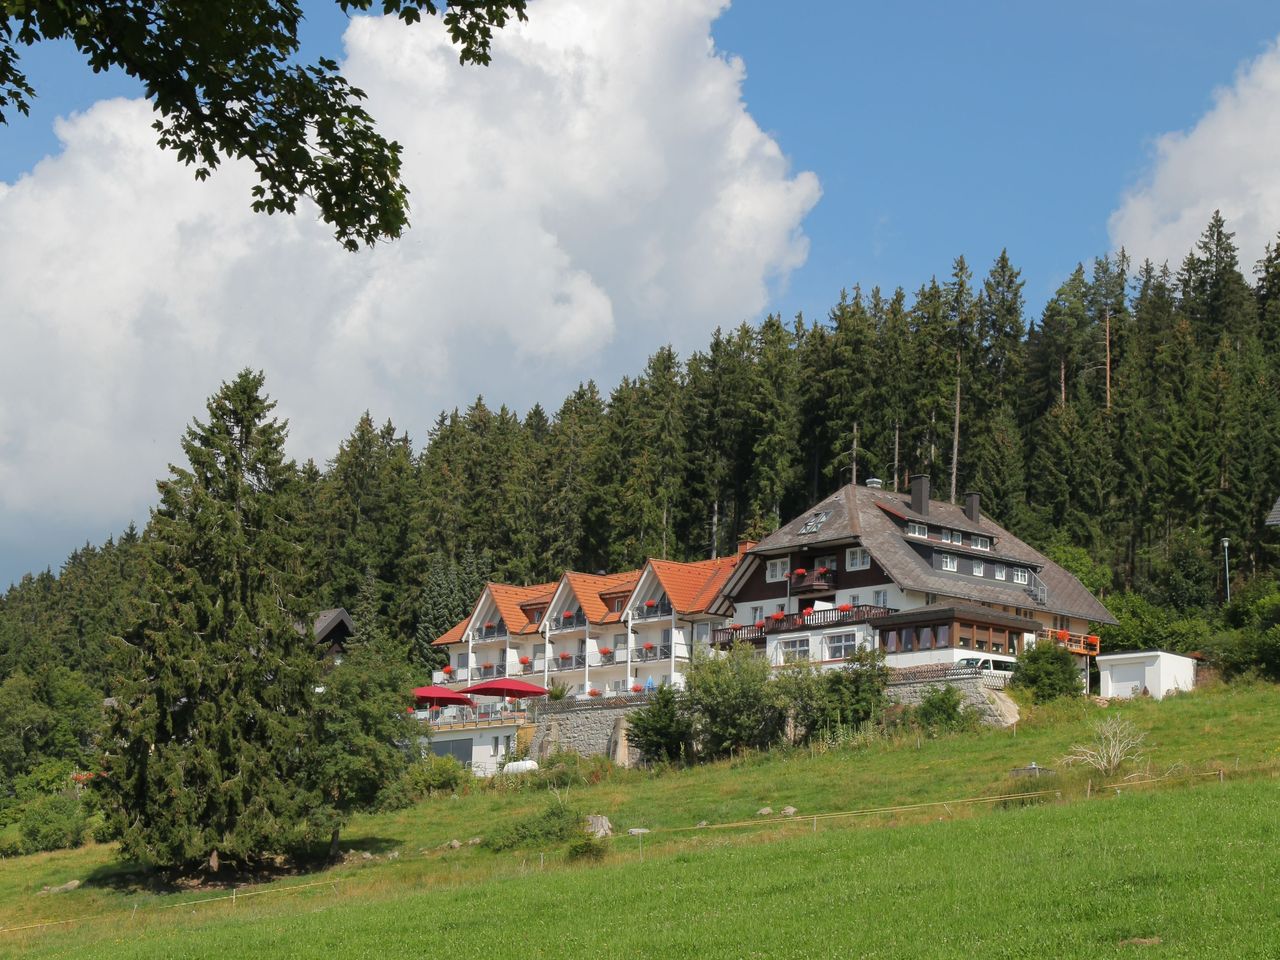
column 868, row 514
column 328, row 620
column 1273, row 518
column 937, row 612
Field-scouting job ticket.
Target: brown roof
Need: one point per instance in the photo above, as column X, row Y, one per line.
column 868, row 515
column 453, row 634
column 691, row 587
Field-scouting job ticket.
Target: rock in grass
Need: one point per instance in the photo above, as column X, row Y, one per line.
column 703, row 823
column 475, row 841
column 765, row 812
column 599, row 826
column 61, row 888
column 638, row 831
column 789, row 811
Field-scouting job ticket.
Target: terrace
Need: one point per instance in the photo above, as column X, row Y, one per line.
column 1081, row 644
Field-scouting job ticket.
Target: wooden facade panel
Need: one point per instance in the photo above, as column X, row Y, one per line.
column 756, row 588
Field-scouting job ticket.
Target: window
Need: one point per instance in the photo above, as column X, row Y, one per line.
column 1001, row 571
column 794, row 651
column 841, row 646
column 951, row 536
column 619, row 643
column 979, row 568
column 981, row 543
column 857, row 558
column 908, row 639
column 618, row 603
column 855, row 598
column 880, row 598
column 829, row 562
column 942, row 635
column 757, row 613
column 814, row 523
column 666, row 640
column 949, row 562
column 777, row 570
column 917, row 529
column 702, row 632
column 1020, row 575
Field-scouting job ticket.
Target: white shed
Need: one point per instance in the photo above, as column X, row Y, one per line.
column 1158, row 672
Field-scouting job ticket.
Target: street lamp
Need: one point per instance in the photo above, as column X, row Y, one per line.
column 1226, row 565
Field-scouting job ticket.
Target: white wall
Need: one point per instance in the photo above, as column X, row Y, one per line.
column 1125, row 675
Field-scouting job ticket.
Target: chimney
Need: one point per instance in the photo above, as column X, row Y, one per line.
column 920, row 494
column 971, row 507
column 745, row 545
column 875, row 483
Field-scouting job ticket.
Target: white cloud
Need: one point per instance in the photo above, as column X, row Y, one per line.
column 1227, row 162
column 598, row 190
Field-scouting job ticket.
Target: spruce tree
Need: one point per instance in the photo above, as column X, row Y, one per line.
column 209, row 739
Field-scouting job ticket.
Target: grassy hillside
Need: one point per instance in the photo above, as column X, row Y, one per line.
column 1195, row 862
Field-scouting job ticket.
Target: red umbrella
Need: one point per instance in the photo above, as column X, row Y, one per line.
column 507, row 688
column 441, row 697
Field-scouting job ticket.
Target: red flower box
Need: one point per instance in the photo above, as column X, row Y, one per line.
column 567, row 615
column 759, row 624
column 845, row 608
column 779, row 617
column 606, row 651
column 524, row 661
column 1062, row 635
column 648, row 645
column 822, row 571
column 636, row 688
column 651, row 603
column 487, row 665
column 489, row 625
column 593, row 692
column 735, row 626
column 446, row 669
column 799, row 571
column 1092, row 638
column 565, row 655
column 808, row 611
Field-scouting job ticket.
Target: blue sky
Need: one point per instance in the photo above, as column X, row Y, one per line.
column 933, row 130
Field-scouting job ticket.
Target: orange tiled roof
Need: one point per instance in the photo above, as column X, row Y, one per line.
column 510, row 602
column 691, row 587
column 453, row 634
column 588, row 587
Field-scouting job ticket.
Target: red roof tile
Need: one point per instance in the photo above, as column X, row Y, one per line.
column 453, row 634
column 692, row 586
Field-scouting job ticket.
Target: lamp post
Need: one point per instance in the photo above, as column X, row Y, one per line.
column 1226, row 565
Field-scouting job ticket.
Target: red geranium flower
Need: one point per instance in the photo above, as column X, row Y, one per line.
column 593, row 692
column 605, row 651
column 648, row 645
column 823, row 570
column 446, row 669
column 651, row 603
column 799, row 571
column 759, row 624
column 845, row 608
column 779, row 616
column 524, row 661
column 487, row 665
column 565, row 655
column 1062, row 635
column 636, row 688
column 808, row 611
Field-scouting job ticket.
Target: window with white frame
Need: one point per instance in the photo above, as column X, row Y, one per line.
column 917, row 529
column 857, row 558
column 841, row 646
column 1001, row 571
column 757, row 613
column 1020, row 575
column 855, row 598
column 795, row 650
column 979, row 568
column 949, row 562
column 950, row 536
column 981, row 543
column 880, row 598
column 777, row 570
column 828, row 561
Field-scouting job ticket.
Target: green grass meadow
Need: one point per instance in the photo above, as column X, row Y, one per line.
column 1190, row 869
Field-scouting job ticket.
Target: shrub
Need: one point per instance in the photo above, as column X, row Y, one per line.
column 858, row 688
column 1048, row 671
column 553, row 825
column 52, row 822
column 587, row 847
column 942, row 709
column 564, row 768
column 661, row 730
column 427, row 776
column 730, row 699
column 1116, row 741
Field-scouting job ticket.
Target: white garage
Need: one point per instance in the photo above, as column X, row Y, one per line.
column 1157, row 672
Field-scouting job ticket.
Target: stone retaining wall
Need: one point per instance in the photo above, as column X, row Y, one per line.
column 909, row 693
column 594, row 728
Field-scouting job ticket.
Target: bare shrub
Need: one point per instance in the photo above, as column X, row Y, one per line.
column 1116, row 741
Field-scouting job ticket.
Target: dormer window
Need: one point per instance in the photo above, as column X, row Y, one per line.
column 776, row 571
column 917, row 529
column 949, row 563
column 979, row 568
column 1000, row 572
column 951, row 536
column 981, row 543
column 857, row 558
column 1020, row 575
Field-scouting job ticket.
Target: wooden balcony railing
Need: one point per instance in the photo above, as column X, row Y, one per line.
column 813, row 581
column 792, row 622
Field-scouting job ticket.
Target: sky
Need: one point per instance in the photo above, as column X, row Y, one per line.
column 622, row 176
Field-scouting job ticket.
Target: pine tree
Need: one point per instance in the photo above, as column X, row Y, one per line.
column 211, row 729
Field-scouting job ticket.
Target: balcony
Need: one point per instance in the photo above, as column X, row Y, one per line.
column 489, row 672
column 660, row 608
column 455, row 675
column 1081, row 644
column 570, row 661
column 813, row 582
column 791, row 622
column 647, row 653
column 491, row 631
column 571, row 622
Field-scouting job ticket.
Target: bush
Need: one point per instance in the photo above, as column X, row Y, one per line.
column 731, row 702
column 942, row 709
column 660, row 730
column 564, row 768
column 426, row 777
column 553, row 825
column 858, row 689
column 52, row 822
column 1048, row 671
column 587, row 847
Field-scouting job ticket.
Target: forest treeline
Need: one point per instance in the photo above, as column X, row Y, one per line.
column 1126, row 429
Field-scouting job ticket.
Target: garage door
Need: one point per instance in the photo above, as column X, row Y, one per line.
column 1127, row 679
column 461, row 749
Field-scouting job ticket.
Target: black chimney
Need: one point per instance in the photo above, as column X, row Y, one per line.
column 920, row 494
column 971, row 507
